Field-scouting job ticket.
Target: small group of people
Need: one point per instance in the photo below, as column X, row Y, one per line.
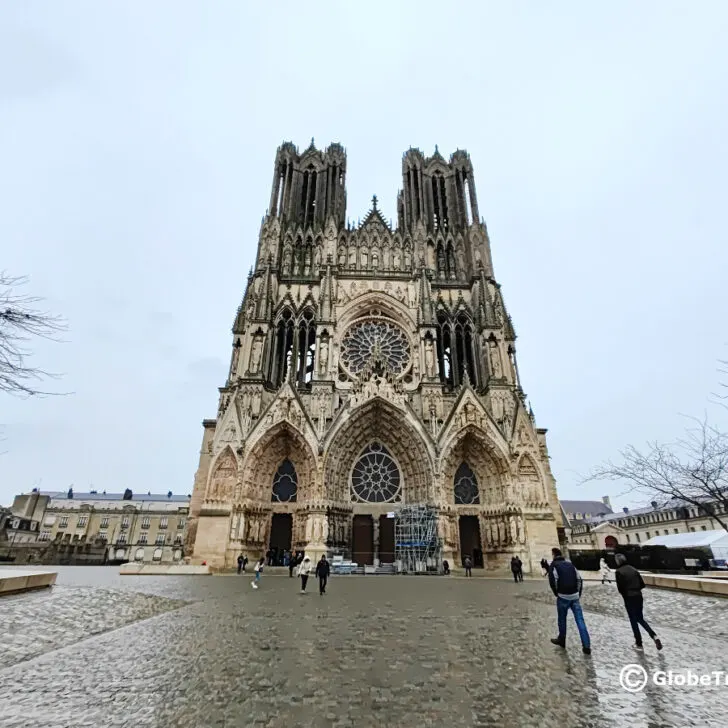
column 517, row 569
column 303, row 566
column 566, row 584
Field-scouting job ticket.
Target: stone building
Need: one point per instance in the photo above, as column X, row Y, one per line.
column 134, row 527
column 372, row 365
column 636, row 526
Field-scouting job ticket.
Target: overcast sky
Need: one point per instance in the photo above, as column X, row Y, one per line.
column 137, row 144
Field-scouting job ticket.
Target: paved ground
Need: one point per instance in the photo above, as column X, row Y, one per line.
column 105, row 650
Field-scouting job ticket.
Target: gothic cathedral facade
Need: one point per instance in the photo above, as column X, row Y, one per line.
column 372, row 366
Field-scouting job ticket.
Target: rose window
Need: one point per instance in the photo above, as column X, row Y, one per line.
column 466, row 486
column 371, row 341
column 375, row 478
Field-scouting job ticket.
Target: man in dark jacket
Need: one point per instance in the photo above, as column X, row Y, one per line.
column 566, row 584
column 514, row 568
column 630, row 585
column 323, row 569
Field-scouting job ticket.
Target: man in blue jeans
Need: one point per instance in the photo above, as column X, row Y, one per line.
column 566, row 584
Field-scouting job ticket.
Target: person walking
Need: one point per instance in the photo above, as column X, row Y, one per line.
column 566, row 584
column 514, row 568
column 604, row 571
column 292, row 564
column 304, row 570
column 545, row 567
column 630, row 585
column 468, row 564
column 258, row 571
column 520, row 568
column 323, row 569
column 240, row 563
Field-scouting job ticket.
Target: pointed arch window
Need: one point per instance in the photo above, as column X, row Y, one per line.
column 285, row 483
column 466, row 486
column 295, row 346
column 456, row 349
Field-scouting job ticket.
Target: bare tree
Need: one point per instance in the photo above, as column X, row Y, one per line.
column 693, row 470
column 20, row 322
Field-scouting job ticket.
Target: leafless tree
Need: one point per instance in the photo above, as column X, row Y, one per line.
column 20, row 322
column 694, row 470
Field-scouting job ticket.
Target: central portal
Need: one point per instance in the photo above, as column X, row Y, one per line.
column 362, row 546
column 386, row 540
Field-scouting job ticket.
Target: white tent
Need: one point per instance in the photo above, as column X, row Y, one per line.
column 717, row 541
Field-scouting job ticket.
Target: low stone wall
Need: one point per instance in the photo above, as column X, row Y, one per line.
column 696, row 584
column 13, row 581
column 134, row 569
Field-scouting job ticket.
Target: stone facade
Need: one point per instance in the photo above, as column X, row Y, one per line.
column 372, row 366
column 130, row 527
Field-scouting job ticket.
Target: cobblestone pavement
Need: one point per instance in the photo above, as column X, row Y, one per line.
column 375, row 651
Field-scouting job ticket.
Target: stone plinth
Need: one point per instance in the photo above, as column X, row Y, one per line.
column 13, row 581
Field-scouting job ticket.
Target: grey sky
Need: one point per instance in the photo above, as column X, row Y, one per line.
column 137, row 149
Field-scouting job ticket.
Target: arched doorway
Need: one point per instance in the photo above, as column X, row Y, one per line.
column 611, row 543
column 470, row 540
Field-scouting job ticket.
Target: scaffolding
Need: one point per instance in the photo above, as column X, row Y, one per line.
column 417, row 547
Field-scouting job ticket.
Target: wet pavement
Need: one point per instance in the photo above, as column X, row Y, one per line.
column 105, row 650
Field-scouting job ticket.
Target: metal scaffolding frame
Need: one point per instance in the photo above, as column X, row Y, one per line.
column 417, row 547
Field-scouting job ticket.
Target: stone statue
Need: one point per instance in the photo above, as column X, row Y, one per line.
column 407, row 260
column 429, row 359
column 397, row 260
column 324, row 356
column 255, row 354
column 495, row 362
column 375, row 259
column 342, row 257
column 309, row 530
column 234, row 363
column 513, row 529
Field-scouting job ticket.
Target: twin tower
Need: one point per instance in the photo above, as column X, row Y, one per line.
column 372, row 367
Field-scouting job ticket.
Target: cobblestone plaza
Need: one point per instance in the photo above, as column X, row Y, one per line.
column 102, row 650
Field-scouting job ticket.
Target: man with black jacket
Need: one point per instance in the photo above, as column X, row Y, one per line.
column 566, row 584
column 323, row 569
column 630, row 585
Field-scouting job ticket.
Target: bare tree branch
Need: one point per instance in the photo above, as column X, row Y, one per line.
column 20, row 322
column 692, row 470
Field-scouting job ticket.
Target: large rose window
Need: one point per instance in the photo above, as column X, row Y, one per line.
column 375, row 477
column 375, row 341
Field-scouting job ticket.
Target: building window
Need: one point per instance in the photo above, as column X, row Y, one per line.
column 178, row 539
column 692, row 530
column 466, row 486
column 674, row 530
column 122, row 538
column 157, row 555
column 375, row 477
column 666, row 532
column 181, row 524
column 63, row 523
column 160, row 539
column 82, row 521
column 143, row 537
column 647, row 535
column 139, row 555
column 145, row 522
column 703, row 528
column 163, row 522
column 285, row 483
column 44, row 536
column 125, row 522
column 637, row 536
column 102, row 537
column 627, row 538
column 104, row 522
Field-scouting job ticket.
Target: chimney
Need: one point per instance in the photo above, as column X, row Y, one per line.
column 625, row 509
column 605, row 500
column 653, row 504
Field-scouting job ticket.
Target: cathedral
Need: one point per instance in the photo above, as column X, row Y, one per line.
column 372, row 366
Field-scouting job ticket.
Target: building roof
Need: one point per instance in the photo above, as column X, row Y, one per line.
column 136, row 497
column 595, row 508
column 718, row 537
